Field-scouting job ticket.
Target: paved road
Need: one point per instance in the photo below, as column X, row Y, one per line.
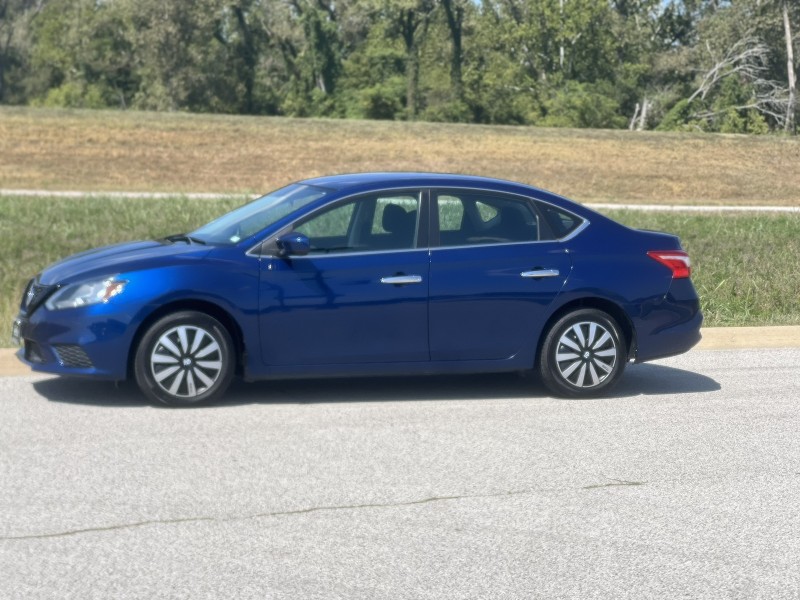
column 685, row 484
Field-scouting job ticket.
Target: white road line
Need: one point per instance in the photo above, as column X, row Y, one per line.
column 216, row 196
column 123, row 195
column 692, row 208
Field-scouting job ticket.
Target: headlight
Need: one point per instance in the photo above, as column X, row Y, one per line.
column 86, row 293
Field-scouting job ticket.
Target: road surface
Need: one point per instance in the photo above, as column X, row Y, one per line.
column 686, row 483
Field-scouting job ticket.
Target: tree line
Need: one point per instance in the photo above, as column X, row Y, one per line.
column 709, row 65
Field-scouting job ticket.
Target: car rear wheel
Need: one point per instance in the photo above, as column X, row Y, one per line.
column 185, row 359
column 583, row 354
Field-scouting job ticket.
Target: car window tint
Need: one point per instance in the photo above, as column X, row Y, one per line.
column 332, row 223
column 451, row 213
column 365, row 224
column 471, row 219
column 407, row 203
column 486, row 211
column 559, row 223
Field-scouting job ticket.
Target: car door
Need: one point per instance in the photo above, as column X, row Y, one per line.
column 360, row 295
column 495, row 270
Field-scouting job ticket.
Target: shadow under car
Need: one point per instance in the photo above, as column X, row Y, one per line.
column 639, row 380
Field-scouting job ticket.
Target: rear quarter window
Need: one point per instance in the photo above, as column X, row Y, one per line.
column 560, row 223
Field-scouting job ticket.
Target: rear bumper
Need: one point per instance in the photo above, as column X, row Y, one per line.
column 670, row 326
column 671, row 341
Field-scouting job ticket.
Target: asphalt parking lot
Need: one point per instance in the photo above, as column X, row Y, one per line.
column 684, row 484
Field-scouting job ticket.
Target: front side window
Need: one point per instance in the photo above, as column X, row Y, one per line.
column 366, row 224
column 334, row 223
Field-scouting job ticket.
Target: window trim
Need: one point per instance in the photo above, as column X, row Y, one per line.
column 267, row 248
column 435, row 240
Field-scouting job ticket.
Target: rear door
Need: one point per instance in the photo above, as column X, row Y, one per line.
column 495, row 270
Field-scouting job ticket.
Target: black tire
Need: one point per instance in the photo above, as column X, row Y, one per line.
column 583, row 354
column 185, row 359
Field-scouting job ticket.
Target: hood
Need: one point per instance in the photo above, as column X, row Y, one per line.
column 119, row 258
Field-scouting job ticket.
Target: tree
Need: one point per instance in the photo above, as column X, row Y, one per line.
column 454, row 12
column 16, row 17
column 414, row 20
column 175, row 48
column 243, row 40
column 791, row 104
column 739, row 79
column 81, row 54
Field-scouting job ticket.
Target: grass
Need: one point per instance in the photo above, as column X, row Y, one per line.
column 745, row 266
column 174, row 152
column 35, row 232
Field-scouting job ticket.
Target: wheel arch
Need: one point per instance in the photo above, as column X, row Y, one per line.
column 201, row 306
column 611, row 308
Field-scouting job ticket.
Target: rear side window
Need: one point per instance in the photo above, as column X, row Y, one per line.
column 469, row 218
column 451, row 213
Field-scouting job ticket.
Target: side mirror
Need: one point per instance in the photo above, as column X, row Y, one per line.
column 294, row 244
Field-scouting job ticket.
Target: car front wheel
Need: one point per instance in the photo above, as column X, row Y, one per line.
column 185, row 359
column 583, row 354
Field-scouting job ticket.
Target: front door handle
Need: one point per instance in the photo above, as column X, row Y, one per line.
column 539, row 273
column 402, row 279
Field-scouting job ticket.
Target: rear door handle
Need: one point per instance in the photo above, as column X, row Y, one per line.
column 539, row 273
column 402, row 279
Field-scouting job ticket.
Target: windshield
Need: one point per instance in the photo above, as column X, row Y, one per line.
column 258, row 214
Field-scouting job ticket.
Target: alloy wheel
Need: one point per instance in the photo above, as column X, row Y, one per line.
column 186, row 361
column 586, row 354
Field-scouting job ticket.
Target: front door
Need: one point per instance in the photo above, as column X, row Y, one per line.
column 359, row 296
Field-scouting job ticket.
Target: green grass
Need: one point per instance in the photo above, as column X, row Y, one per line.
column 745, row 266
column 35, row 232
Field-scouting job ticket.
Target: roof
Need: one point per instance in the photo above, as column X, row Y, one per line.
column 349, row 180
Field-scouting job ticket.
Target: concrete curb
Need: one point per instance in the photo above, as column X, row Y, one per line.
column 732, row 338
column 714, row 338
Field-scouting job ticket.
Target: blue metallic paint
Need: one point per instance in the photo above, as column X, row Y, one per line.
column 328, row 315
column 478, row 291
column 336, row 312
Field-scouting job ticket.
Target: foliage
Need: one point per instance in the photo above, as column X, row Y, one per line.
column 701, row 65
column 583, row 105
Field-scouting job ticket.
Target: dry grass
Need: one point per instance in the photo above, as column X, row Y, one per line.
column 109, row 151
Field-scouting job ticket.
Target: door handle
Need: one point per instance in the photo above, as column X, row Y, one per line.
column 402, row 279
column 539, row 273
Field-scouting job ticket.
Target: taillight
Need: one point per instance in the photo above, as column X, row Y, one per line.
column 676, row 260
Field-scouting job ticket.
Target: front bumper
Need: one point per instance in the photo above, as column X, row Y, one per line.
column 73, row 344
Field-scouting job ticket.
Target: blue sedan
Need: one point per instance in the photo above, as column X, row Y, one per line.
column 368, row 274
